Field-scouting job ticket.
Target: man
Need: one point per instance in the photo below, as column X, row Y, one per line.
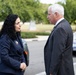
column 58, row 49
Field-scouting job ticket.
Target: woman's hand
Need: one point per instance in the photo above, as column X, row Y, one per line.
column 23, row 66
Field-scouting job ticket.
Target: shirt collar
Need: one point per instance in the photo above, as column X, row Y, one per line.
column 59, row 21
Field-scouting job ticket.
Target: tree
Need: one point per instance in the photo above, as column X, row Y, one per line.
column 70, row 10
column 26, row 9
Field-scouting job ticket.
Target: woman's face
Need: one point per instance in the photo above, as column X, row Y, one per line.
column 17, row 25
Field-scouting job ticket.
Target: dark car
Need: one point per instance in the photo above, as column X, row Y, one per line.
column 26, row 51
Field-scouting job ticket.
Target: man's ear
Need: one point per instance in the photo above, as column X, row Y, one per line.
column 56, row 13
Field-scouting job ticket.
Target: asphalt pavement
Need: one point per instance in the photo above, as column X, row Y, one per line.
column 42, row 38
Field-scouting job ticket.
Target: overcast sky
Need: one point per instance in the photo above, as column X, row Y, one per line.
column 51, row 1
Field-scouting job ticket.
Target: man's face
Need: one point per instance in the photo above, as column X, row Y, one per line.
column 51, row 17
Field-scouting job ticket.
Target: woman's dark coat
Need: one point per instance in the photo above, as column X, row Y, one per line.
column 11, row 55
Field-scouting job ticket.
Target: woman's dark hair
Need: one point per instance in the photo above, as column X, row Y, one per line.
column 9, row 26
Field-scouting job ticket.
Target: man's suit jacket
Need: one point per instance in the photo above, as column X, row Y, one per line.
column 58, row 50
column 11, row 55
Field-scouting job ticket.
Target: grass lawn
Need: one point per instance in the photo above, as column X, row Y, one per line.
column 41, row 28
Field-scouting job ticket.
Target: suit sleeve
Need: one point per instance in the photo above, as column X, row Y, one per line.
column 4, row 54
column 59, row 40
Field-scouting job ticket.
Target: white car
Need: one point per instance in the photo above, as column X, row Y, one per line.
column 74, row 41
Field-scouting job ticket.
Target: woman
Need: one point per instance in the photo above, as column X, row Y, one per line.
column 12, row 61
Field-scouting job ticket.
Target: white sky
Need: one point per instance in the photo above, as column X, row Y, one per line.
column 51, row 1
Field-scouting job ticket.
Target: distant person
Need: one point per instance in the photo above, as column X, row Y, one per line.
column 12, row 61
column 58, row 49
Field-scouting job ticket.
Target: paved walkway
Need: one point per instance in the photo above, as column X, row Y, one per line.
column 43, row 73
column 41, row 38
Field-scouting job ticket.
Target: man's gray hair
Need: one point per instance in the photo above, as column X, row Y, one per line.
column 57, row 8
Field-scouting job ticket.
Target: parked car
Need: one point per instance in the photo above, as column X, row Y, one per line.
column 26, row 51
column 74, row 41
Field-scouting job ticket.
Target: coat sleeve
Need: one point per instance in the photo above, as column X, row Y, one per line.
column 4, row 54
column 22, row 57
column 59, row 40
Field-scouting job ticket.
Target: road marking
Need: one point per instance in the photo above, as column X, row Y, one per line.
column 74, row 63
column 74, row 68
column 43, row 73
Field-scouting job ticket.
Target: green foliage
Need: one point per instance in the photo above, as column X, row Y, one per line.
column 70, row 11
column 27, row 35
column 26, row 9
column 32, row 34
column 4, row 10
column 34, row 10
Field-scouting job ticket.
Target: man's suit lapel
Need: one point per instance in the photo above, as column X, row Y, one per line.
column 50, row 36
column 53, row 31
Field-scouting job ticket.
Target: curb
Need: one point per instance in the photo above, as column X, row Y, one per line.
column 39, row 38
